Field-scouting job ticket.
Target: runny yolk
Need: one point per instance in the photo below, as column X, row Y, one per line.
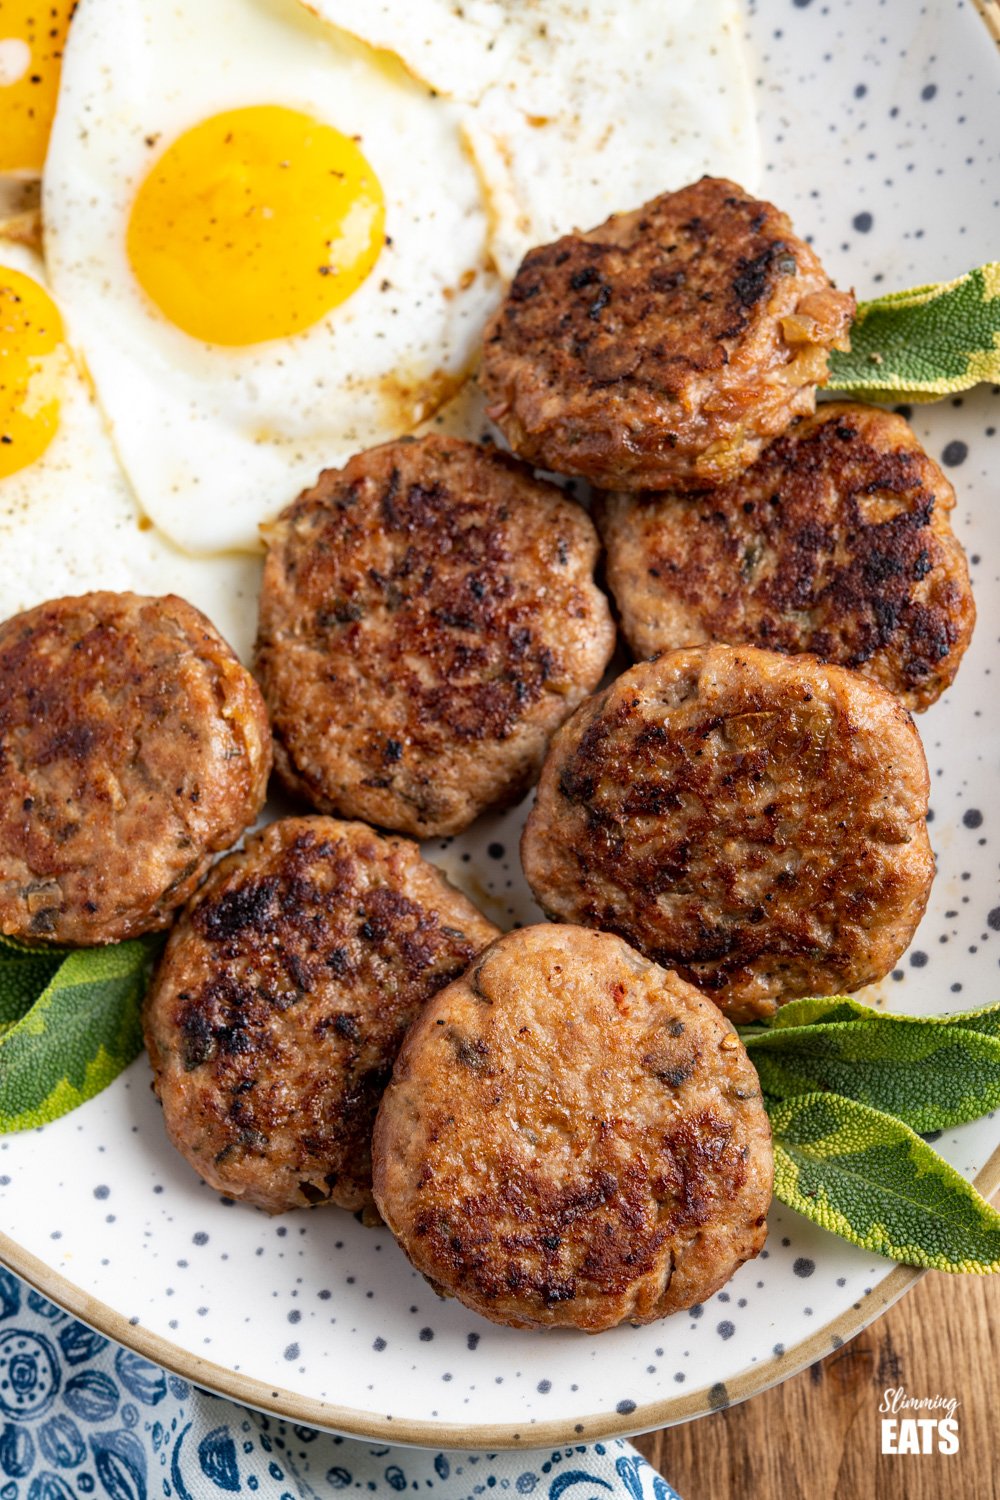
column 32, row 357
column 32, row 34
column 254, row 224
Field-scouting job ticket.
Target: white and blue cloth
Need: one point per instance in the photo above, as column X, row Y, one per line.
column 82, row 1417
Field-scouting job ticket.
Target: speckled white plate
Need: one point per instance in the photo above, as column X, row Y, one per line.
column 879, row 130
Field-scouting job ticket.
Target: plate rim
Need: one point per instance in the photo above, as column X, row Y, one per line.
column 288, row 1405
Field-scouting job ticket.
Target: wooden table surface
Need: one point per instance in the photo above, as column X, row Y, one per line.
column 818, row 1434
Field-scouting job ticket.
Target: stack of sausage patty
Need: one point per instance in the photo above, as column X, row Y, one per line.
column 560, row 1124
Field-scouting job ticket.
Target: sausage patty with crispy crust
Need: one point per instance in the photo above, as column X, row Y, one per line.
column 428, row 618
column 573, row 1137
column 755, row 821
column 133, row 748
column 837, row 541
column 663, row 349
column 281, row 1000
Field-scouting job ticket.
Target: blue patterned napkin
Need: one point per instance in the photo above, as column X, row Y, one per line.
column 80, row 1416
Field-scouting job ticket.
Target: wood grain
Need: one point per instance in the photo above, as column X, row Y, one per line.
column 818, row 1435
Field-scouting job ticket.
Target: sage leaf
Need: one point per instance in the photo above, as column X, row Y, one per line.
column 24, row 973
column 842, row 1008
column 79, row 1032
column 921, row 344
column 821, row 1008
column 928, row 1076
column 986, row 1021
column 870, row 1179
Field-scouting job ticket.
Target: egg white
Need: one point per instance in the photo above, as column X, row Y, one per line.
column 217, row 440
column 577, row 109
column 69, row 522
column 457, row 46
column 603, row 106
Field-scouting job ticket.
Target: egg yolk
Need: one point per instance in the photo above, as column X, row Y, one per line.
column 32, row 355
column 254, row 224
column 32, row 33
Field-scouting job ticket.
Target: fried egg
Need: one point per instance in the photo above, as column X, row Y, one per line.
column 576, row 111
column 68, row 519
column 32, row 37
column 269, row 240
column 457, row 46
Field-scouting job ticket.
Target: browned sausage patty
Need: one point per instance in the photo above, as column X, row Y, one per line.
column 837, row 541
column 428, row 619
column 281, row 1000
column 664, row 348
column 573, row 1137
column 133, row 747
column 755, row 821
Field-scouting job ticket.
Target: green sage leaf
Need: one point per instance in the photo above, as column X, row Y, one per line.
column 24, row 973
column 921, row 344
column 821, row 1008
column 929, row 1076
column 986, row 1021
column 870, row 1179
column 78, row 1034
column 840, row 1008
